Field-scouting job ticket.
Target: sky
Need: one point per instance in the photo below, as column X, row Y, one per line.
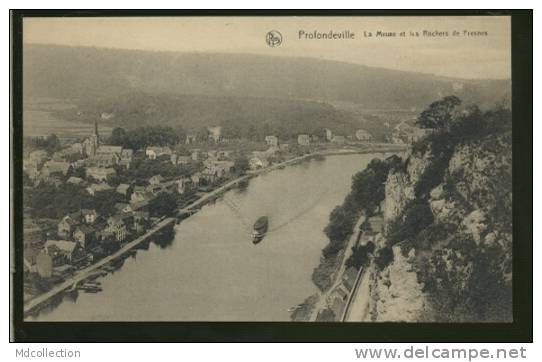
column 462, row 56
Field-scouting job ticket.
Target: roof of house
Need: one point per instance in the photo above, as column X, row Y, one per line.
column 100, row 170
column 123, row 188
column 136, row 205
column 158, row 149
column 85, row 229
column 121, row 205
column 38, row 153
column 156, row 178
column 99, row 187
column 57, row 166
column 75, row 180
column 141, row 214
column 109, row 149
column 127, row 152
column 115, row 219
column 63, row 245
column 70, row 219
column 85, row 212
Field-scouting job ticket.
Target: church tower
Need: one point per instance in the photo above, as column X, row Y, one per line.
column 96, row 134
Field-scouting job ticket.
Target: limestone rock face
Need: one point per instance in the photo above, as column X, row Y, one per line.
column 472, row 201
column 398, row 191
column 400, row 185
column 474, row 224
column 482, row 173
column 399, row 296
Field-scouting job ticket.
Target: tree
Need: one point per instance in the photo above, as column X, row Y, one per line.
column 163, row 204
column 52, row 143
column 439, row 114
column 118, row 137
column 180, row 133
column 241, row 164
column 202, row 135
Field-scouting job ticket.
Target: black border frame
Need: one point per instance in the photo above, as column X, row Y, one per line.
column 520, row 330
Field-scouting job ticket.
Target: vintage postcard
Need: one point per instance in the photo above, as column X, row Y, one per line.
column 267, row 168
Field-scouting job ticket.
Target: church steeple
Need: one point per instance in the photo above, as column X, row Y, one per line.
column 96, row 134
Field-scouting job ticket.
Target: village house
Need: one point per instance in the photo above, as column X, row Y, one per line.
column 196, row 178
column 406, row 133
column 272, row 141
column 140, row 196
column 184, row 185
column 38, row 156
column 303, row 140
column 209, row 176
column 198, row 155
column 338, row 140
column 75, row 180
column 155, row 189
column 123, row 189
column 363, row 135
column 89, row 216
column 257, row 162
column 103, row 160
column 96, row 189
column 116, row 227
column 67, row 225
column 67, row 154
column 329, row 134
column 177, row 160
column 30, row 165
column 50, row 180
column 126, row 156
column 153, row 152
column 190, row 138
column 100, row 173
column 212, row 154
column 85, row 235
column 107, row 149
column 123, row 207
column 155, row 180
column 52, row 167
column 33, row 174
column 141, row 220
column 63, row 251
column 77, row 147
column 222, row 168
column 43, row 264
column 215, row 133
column 224, row 155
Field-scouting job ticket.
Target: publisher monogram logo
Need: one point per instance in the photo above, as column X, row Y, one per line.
column 273, row 38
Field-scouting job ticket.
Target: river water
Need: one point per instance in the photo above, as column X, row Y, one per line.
column 212, row 271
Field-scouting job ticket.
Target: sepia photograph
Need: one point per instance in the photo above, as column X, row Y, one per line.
column 351, row 169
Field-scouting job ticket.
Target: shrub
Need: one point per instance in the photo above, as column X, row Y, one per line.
column 384, row 257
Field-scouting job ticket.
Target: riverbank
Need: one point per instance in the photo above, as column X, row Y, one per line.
column 88, row 272
column 194, row 207
column 211, row 196
column 359, row 214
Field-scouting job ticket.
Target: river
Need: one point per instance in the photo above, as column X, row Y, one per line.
column 211, row 271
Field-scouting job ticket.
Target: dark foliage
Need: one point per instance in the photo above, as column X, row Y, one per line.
column 384, row 257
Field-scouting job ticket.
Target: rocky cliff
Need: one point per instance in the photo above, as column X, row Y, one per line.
column 448, row 213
